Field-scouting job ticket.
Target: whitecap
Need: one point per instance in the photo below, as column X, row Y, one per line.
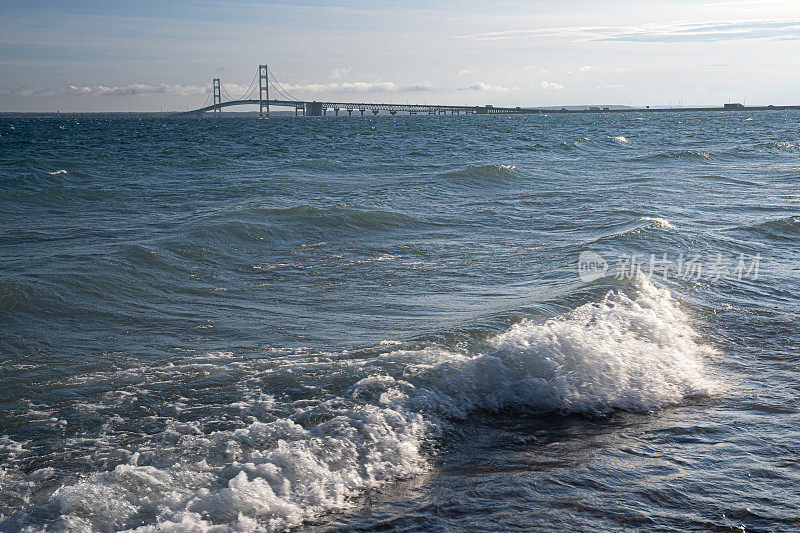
column 634, row 352
column 658, row 222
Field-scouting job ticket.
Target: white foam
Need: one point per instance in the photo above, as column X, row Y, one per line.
column 658, row 222
column 784, row 144
column 635, row 353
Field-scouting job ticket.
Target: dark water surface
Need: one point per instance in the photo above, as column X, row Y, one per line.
column 344, row 323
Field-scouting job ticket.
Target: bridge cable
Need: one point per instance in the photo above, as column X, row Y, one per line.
column 227, row 94
column 280, row 93
column 250, row 87
column 283, row 91
column 276, row 85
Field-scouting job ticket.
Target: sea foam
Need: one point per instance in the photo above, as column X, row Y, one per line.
column 635, row 352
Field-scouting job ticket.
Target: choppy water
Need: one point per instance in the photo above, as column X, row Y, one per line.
column 362, row 323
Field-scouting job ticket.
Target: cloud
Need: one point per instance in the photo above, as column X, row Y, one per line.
column 714, row 31
column 660, row 32
column 144, row 89
column 468, row 70
column 25, row 91
column 587, row 68
column 358, row 87
column 339, row 73
column 355, row 86
column 551, row 86
column 122, row 90
column 481, row 86
column 422, row 86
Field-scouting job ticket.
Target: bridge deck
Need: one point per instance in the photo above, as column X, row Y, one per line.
column 358, row 106
column 441, row 109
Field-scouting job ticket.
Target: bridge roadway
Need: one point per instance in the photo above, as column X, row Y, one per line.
column 320, row 108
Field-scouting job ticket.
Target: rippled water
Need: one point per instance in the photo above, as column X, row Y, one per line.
column 378, row 322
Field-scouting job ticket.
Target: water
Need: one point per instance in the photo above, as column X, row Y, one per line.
column 357, row 323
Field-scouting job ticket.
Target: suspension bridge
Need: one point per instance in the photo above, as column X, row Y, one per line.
column 259, row 94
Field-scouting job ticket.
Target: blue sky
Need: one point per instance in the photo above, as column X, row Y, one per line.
column 142, row 56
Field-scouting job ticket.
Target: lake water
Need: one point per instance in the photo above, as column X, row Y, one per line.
column 541, row 322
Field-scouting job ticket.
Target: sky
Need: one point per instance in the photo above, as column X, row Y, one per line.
column 88, row 55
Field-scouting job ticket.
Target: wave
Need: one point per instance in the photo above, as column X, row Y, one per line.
column 781, row 228
column 342, row 216
column 481, row 174
column 637, row 225
column 656, row 222
column 287, row 463
column 784, row 145
column 256, row 224
column 674, row 154
column 727, row 179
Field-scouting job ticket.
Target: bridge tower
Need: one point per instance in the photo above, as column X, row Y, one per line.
column 263, row 89
column 217, row 96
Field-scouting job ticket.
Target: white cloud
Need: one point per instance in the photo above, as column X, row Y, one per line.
column 141, row 89
column 482, row 86
column 24, row 91
column 586, row 68
column 357, row 87
column 468, row 70
column 723, row 30
column 339, row 73
column 550, row 86
column 123, row 90
column 424, row 85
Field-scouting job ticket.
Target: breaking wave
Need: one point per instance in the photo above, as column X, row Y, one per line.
column 634, row 226
column 372, row 418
